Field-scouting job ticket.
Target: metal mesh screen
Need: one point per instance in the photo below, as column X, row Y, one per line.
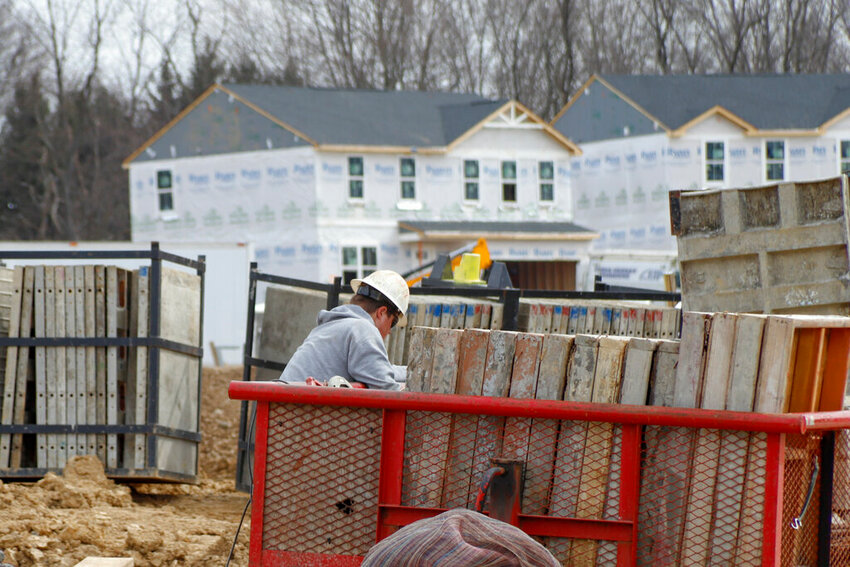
column 839, row 552
column 701, row 497
column 321, row 491
column 799, row 510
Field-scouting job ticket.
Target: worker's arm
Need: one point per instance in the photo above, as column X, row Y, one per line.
column 368, row 363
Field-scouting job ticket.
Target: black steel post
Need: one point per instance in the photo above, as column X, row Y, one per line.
column 333, row 293
column 510, row 315
column 827, row 457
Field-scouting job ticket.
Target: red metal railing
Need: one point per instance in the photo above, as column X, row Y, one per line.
column 351, row 445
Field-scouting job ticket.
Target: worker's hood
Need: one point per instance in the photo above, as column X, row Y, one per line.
column 343, row 312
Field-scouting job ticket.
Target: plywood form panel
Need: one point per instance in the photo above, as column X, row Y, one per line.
column 61, row 361
column 40, row 368
column 470, row 377
column 83, row 394
column 90, row 355
column 180, row 306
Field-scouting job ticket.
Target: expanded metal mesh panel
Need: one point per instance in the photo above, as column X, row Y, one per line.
column 702, row 497
column 799, row 511
column 321, row 491
column 839, row 552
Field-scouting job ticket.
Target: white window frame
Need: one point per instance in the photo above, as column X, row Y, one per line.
column 361, row 268
column 842, row 159
column 352, row 178
column 708, row 162
column 504, row 181
column 406, row 178
column 783, row 161
column 541, row 181
column 163, row 192
column 476, row 180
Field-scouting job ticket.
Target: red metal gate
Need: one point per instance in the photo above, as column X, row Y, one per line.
column 337, row 470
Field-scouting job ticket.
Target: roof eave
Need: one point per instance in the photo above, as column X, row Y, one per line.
column 716, row 110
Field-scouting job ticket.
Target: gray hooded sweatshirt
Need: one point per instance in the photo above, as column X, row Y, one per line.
column 345, row 343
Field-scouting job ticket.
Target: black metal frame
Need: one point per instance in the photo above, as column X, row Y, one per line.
column 153, row 342
column 510, row 321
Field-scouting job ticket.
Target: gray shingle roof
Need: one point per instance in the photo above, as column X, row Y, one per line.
column 501, row 227
column 767, row 102
column 371, row 118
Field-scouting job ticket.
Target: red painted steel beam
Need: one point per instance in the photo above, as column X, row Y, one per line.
column 541, row 409
column 273, row 558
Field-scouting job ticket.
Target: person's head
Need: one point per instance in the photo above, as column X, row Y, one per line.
column 459, row 537
column 384, row 295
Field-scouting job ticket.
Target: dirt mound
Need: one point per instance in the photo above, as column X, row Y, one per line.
column 61, row 519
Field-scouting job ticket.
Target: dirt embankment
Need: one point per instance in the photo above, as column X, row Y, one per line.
column 62, row 519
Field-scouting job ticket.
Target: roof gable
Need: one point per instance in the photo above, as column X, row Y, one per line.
column 764, row 102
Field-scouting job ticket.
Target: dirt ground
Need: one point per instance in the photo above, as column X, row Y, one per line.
column 62, row 519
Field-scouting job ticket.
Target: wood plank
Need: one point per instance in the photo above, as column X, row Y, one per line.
column 75, row 443
column 496, row 313
column 809, row 364
column 774, row 367
column 637, row 368
column 178, row 397
column 90, row 363
column 11, row 363
column 732, row 465
column 40, row 367
column 100, row 354
column 61, row 361
column 418, row 380
column 571, row 441
column 596, row 463
column 50, row 368
column 526, row 363
column 703, row 477
column 436, row 434
column 83, row 398
column 835, row 370
column 496, row 383
column 470, row 378
column 23, row 366
column 543, row 439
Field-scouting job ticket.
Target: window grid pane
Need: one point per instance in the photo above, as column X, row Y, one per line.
column 370, row 256
column 547, row 170
column 508, row 170
column 355, row 189
column 408, row 190
column 470, row 168
column 349, row 256
column 714, row 172
column 509, row 192
column 355, row 166
column 547, row 192
column 714, row 151
column 775, row 171
column 471, row 191
column 163, row 179
column 845, row 166
column 166, row 202
column 845, row 149
column 408, row 167
column 775, row 150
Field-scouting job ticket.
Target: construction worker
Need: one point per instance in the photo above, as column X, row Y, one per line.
column 459, row 537
column 349, row 340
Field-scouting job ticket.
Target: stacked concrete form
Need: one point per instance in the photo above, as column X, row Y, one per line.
column 626, row 319
column 775, row 249
column 63, row 385
column 702, row 491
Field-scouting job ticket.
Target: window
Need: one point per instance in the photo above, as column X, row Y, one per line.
column 845, row 156
column 546, row 173
column 509, row 181
column 775, row 160
column 470, row 179
column 714, row 161
column 408, row 178
column 164, row 190
column 355, row 177
column 358, row 262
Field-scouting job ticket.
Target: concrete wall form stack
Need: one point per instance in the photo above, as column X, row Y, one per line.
column 775, row 249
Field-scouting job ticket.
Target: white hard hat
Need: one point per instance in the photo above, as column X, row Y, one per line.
column 391, row 285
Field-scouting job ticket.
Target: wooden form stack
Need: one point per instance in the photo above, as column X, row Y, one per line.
column 446, row 455
column 702, row 491
column 88, row 385
column 449, row 312
column 598, row 318
column 712, row 481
